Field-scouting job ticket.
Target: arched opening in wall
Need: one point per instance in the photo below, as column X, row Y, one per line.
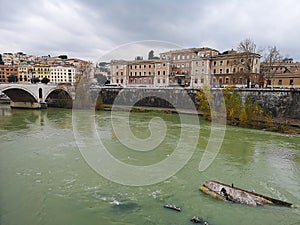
column 40, row 93
column 19, row 95
column 59, row 98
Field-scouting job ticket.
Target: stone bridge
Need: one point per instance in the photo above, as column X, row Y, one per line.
column 35, row 96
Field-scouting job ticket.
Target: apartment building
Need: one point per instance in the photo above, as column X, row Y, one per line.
column 40, row 71
column 140, row 72
column 119, row 74
column 189, row 66
column 62, row 74
column 281, row 74
column 7, row 71
column 24, row 73
column 235, row 68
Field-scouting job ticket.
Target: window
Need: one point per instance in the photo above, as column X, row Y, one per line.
column 215, row 63
column 227, row 62
column 178, row 56
column 196, row 81
column 182, row 65
column 227, row 80
column 215, row 71
column 196, row 71
column 149, row 66
column 202, row 63
column 158, row 72
column 183, row 57
column 202, row 80
column 164, row 65
column 234, row 70
column 164, row 72
column 187, row 65
column 221, row 63
column 196, row 63
column 227, row 70
column 291, row 82
column 279, row 82
column 221, row 71
column 220, row 80
column 202, row 71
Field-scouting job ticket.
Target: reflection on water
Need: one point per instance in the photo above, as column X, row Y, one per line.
column 44, row 179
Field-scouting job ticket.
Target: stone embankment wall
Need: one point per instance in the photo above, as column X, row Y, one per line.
column 281, row 102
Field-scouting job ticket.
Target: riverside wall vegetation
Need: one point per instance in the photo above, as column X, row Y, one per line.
column 279, row 103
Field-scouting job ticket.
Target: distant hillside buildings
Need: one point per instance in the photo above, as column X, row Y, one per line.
column 24, row 68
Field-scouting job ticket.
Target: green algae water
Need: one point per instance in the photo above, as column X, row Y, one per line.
column 45, row 180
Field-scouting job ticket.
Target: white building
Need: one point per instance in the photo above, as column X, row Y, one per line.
column 61, row 74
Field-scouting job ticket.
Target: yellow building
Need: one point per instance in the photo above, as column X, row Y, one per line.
column 24, row 73
column 40, row 71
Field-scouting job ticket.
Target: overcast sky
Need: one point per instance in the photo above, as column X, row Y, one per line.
column 89, row 29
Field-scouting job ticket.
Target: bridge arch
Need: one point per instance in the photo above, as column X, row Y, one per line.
column 19, row 94
column 59, row 97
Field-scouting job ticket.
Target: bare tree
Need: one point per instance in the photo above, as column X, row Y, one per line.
column 249, row 54
column 272, row 60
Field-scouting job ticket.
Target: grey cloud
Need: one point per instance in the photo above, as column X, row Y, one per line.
column 92, row 27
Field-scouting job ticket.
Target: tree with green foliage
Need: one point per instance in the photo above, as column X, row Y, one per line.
column 205, row 98
column 35, row 80
column 233, row 104
column 45, row 80
column 12, row 79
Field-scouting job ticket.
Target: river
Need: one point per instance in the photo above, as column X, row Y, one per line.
column 44, row 179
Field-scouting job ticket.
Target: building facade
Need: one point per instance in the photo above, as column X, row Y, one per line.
column 8, row 72
column 235, row 68
column 281, row 74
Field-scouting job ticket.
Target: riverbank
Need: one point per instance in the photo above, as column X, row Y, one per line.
column 277, row 124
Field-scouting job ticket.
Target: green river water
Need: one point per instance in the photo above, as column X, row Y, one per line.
column 45, row 180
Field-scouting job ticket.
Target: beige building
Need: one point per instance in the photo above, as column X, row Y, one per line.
column 235, row 68
column 140, row 73
column 192, row 67
column 189, row 66
column 281, row 74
